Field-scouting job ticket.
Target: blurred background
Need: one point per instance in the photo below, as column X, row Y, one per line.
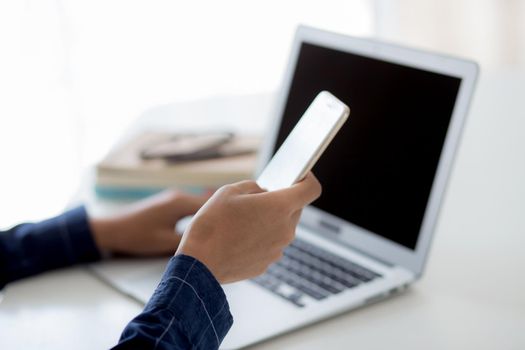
column 75, row 74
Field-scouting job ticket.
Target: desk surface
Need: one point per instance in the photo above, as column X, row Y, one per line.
column 472, row 295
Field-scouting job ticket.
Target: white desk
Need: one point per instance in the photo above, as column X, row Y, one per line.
column 472, row 296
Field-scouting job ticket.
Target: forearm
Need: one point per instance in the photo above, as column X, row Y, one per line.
column 187, row 310
column 29, row 249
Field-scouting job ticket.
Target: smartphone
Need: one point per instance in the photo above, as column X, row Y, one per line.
column 305, row 143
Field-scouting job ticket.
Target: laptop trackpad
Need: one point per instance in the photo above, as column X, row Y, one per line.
column 253, row 309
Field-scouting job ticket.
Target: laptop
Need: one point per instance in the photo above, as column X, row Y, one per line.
column 384, row 176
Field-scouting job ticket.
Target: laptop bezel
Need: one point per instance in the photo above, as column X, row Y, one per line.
column 340, row 230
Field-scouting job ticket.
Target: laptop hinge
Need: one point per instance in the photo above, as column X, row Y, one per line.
column 368, row 255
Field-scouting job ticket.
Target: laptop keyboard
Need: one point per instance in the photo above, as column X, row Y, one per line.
column 306, row 269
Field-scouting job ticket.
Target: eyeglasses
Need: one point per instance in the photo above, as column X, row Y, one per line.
column 192, row 147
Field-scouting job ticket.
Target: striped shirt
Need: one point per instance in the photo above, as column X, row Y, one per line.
column 188, row 310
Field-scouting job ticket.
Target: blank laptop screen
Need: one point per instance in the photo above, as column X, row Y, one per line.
column 379, row 169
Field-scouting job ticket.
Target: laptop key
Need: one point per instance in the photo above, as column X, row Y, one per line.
column 306, row 269
column 308, row 290
column 280, row 289
column 300, row 248
column 328, row 270
column 314, row 276
column 298, row 282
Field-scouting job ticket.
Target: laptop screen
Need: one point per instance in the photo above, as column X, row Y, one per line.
column 378, row 171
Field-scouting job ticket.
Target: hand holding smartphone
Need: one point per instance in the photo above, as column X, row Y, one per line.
column 305, row 143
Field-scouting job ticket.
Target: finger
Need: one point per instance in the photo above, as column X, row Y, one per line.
column 307, row 190
column 248, row 187
column 296, row 216
column 301, row 193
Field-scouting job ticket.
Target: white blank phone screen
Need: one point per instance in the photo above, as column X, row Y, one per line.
column 294, row 155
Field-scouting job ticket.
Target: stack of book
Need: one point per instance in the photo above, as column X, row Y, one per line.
column 126, row 173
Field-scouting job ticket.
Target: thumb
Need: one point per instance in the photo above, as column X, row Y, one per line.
column 303, row 192
column 248, row 187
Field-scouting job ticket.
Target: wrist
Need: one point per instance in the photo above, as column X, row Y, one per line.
column 203, row 257
column 101, row 231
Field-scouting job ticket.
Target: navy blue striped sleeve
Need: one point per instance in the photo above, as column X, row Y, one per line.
column 29, row 249
column 188, row 310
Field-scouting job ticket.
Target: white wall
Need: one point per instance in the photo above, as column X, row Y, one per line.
column 492, row 32
column 73, row 74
